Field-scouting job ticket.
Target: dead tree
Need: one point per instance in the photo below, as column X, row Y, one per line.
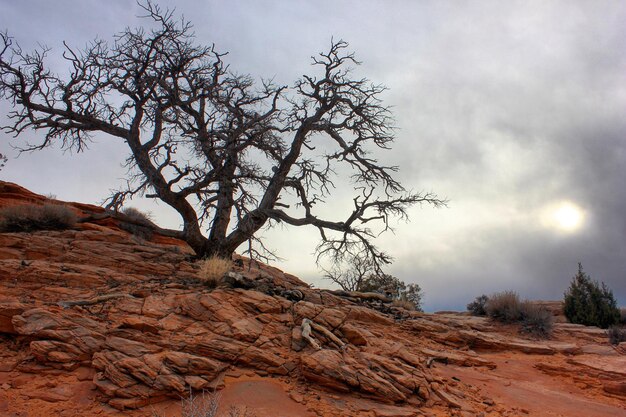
column 229, row 154
column 353, row 276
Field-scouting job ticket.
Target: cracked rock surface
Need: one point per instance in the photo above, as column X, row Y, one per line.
column 94, row 321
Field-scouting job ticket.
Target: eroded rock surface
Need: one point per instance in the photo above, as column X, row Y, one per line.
column 94, row 321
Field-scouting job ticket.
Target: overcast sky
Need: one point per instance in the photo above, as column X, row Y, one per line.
column 514, row 111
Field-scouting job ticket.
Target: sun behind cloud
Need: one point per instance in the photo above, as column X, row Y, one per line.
column 565, row 216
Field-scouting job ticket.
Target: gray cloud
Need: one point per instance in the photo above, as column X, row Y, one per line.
column 504, row 107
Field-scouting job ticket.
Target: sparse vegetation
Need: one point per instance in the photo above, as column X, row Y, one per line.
column 506, row 307
column 235, row 411
column 413, row 294
column 207, row 405
column 140, row 224
column 353, row 275
column 617, row 335
column 477, row 307
column 589, row 303
column 32, row 217
column 395, row 289
column 138, row 215
column 535, row 320
column 213, row 269
column 405, row 304
column 360, row 274
column 3, row 160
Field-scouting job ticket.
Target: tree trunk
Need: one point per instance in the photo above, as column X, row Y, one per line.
column 209, row 249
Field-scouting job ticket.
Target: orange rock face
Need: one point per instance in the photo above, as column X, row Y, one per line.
column 94, row 321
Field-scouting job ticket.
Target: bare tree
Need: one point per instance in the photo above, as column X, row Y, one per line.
column 353, row 276
column 230, row 155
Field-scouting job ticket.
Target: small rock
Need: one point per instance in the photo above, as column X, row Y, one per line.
column 48, row 396
column 354, row 335
column 615, row 388
column 297, row 397
column 84, row 374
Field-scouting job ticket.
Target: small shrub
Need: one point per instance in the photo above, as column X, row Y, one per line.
column 477, row 307
column 138, row 216
column 616, row 334
column 504, row 306
column 405, row 304
column 414, row 295
column 141, row 225
column 29, row 218
column 235, row 411
column 204, row 405
column 140, row 231
column 589, row 303
column 394, row 288
column 207, row 405
column 213, row 269
column 535, row 320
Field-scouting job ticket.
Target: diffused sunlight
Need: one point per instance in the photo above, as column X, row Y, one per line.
column 565, row 216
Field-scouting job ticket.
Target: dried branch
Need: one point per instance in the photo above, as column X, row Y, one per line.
column 230, row 155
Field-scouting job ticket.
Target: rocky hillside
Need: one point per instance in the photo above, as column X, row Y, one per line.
column 95, row 321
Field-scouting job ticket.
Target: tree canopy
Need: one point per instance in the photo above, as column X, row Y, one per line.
column 231, row 155
column 590, row 303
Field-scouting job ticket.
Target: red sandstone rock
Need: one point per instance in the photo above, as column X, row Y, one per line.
column 144, row 332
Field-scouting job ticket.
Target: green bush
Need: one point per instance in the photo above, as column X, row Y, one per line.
column 589, row 303
column 477, row 307
column 32, row 217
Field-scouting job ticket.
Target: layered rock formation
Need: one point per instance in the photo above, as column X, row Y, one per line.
column 94, row 321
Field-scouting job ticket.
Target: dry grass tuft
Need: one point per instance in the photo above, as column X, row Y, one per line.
column 32, row 217
column 533, row 319
column 616, row 335
column 203, row 405
column 213, row 269
column 405, row 304
column 504, row 306
column 141, row 225
column 207, row 405
column 235, row 411
column 138, row 216
column 536, row 320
